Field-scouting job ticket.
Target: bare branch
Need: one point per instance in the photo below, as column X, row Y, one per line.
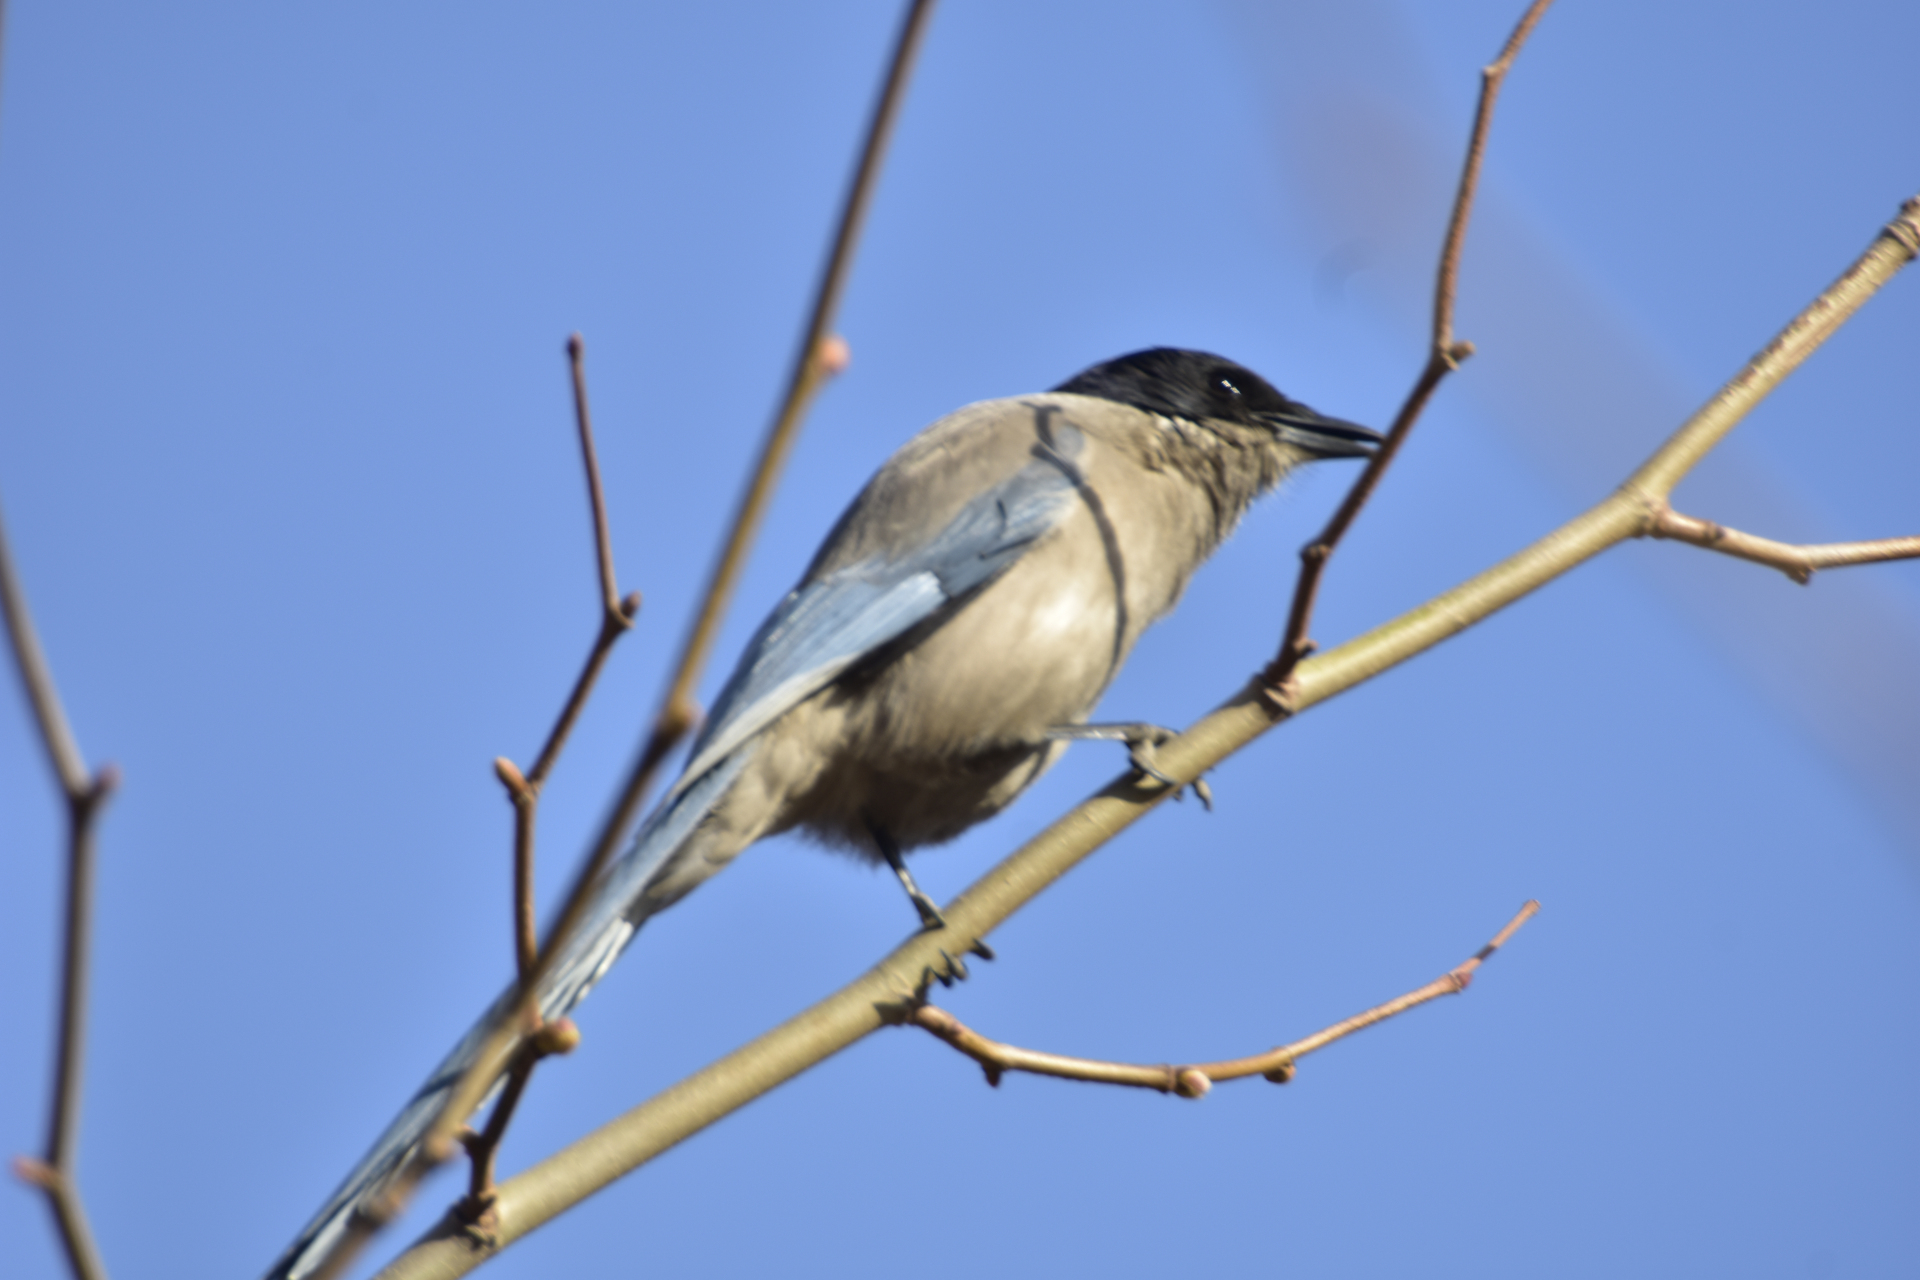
column 85, row 793
column 1797, row 561
column 820, row 355
column 616, row 619
column 1277, row 1065
column 889, row 992
column 1443, row 357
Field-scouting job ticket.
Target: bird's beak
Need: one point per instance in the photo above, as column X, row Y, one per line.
column 1321, row 436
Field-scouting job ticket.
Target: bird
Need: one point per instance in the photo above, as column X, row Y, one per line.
column 950, row 638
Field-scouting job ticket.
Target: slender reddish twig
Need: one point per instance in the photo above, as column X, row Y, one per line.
column 820, row 355
column 1276, row 1065
column 677, row 713
column 85, row 794
column 1443, row 357
column 616, row 619
column 1797, row 561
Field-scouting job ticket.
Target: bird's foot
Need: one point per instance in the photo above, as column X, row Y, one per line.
column 930, row 917
column 1142, row 739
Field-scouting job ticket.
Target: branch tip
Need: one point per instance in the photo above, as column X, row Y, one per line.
column 511, row 778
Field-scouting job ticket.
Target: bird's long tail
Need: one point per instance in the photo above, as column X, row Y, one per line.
column 613, row 915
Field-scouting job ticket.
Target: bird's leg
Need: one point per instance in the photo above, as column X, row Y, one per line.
column 930, row 917
column 1141, row 739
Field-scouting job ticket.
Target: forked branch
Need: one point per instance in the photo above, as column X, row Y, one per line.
column 887, row 993
column 820, row 356
column 85, row 794
column 616, row 619
column 1443, row 357
column 1797, row 561
column 1193, row 1081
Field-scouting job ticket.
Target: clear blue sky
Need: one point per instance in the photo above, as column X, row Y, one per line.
column 287, row 466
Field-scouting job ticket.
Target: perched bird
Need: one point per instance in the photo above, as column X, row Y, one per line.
column 954, row 631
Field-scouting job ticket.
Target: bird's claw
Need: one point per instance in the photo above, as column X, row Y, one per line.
column 1142, row 739
column 930, row 917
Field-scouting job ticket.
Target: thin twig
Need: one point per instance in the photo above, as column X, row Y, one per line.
column 1443, row 357
column 1277, row 1065
column 820, row 355
column 887, row 993
column 616, row 619
column 1797, row 561
column 85, row 794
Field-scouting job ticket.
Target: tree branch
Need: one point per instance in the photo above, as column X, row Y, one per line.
column 889, row 992
column 1798, row 562
column 820, row 356
column 85, row 794
column 1443, row 357
column 616, row 619
column 1277, row 1065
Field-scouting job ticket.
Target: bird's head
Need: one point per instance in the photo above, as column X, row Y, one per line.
column 1198, row 386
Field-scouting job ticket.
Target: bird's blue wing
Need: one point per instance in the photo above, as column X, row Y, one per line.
column 817, row 632
column 825, row 626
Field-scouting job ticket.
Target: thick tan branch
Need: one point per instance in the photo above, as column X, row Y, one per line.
column 1897, row 245
column 1797, row 561
column 890, row 991
column 1277, row 1065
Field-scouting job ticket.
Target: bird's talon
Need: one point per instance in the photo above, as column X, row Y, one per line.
column 930, row 917
column 1142, row 759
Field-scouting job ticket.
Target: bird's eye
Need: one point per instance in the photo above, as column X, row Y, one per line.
column 1227, row 385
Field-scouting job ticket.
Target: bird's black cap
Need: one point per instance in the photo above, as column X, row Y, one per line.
column 1198, row 385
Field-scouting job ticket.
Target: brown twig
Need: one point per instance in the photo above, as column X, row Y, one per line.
column 616, row 619
column 1443, row 357
column 996, row 1059
column 85, row 794
column 1797, row 561
column 820, row 356
column 886, row 993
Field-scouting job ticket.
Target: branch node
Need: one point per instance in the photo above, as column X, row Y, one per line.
column 630, row 607
column 1282, row 1074
column 1905, row 229
column 1191, row 1082
column 832, row 356
column 555, row 1039
column 38, row 1173
column 1458, row 354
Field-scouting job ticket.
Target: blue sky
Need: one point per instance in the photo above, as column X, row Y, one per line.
column 286, row 464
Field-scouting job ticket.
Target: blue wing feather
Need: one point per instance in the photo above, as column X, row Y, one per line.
column 815, row 634
column 825, row 626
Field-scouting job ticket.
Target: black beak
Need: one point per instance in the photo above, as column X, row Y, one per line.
column 1321, row 436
